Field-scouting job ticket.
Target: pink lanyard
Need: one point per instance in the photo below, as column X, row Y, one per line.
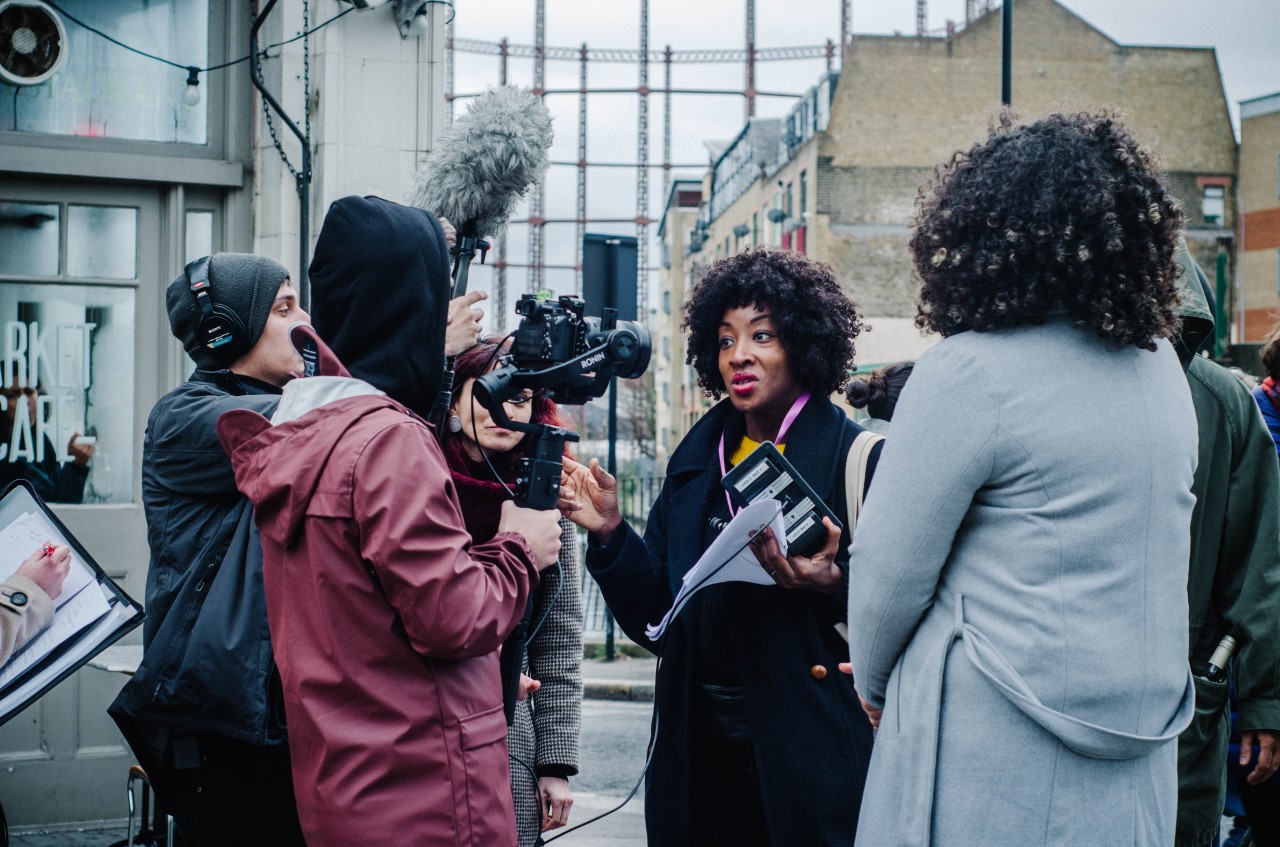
column 787, row 421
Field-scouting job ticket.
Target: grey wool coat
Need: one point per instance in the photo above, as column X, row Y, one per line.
column 546, row 729
column 1018, row 595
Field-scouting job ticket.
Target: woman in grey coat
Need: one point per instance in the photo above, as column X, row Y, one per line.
column 1018, row 581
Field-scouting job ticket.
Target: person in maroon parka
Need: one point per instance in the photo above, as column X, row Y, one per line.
column 385, row 618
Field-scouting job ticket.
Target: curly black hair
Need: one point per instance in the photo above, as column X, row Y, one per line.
column 1270, row 353
column 878, row 391
column 1066, row 213
column 816, row 322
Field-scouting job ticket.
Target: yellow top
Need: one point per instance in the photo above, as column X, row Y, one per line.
column 745, row 446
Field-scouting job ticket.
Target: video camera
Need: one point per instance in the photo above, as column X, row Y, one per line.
column 571, row 358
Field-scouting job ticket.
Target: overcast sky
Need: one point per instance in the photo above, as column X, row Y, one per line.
column 1246, row 34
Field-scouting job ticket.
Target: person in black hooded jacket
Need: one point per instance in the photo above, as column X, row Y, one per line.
column 204, row 712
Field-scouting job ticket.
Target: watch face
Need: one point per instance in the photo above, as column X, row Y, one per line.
column 18, row 598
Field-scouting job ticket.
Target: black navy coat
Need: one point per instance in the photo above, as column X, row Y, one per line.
column 812, row 740
column 207, row 663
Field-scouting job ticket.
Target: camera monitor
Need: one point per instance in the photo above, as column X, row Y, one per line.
column 610, row 275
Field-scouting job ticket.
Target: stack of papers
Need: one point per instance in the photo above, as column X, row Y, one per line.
column 729, row 558
column 82, row 601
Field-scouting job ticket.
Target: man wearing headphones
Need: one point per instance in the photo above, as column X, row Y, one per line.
column 204, row 712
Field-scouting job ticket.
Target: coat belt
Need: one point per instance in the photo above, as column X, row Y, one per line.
column 1083, row 737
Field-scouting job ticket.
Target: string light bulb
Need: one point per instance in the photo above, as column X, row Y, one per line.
column 191, row 96
column 420, row 25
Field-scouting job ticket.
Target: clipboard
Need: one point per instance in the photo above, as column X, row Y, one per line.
column 766, row 474
column 79, row 630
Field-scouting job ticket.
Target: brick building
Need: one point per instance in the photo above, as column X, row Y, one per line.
column 672, row 402
column 1256, row 309
column 837, row 177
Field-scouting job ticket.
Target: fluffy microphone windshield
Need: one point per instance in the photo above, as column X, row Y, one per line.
column 486, row 161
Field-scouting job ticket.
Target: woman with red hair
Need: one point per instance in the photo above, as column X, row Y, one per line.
column 483, row 458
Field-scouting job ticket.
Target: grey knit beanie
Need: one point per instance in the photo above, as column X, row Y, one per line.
column 241, row 284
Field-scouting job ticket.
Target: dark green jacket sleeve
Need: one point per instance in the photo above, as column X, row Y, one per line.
column 1251, row 564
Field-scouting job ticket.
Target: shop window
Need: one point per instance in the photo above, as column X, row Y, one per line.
column 1214, row 204
column 105, row 91
column 68, row 377
column 102, row 242
column 29, row 234
column 199, row 235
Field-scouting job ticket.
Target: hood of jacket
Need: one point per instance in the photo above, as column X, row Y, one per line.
column 380, row 295
column 279, row 462
column 1195, row 310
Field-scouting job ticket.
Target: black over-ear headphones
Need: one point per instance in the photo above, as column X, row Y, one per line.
column 220, row 329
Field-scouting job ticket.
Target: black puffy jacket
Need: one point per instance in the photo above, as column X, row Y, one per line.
column 207, row 665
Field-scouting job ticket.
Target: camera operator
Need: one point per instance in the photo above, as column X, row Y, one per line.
column 204, row 708
column 385, row 617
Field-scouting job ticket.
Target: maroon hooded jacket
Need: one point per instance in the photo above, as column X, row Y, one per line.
column 385, row 619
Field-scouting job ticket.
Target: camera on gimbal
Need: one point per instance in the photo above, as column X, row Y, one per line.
column 572, row 359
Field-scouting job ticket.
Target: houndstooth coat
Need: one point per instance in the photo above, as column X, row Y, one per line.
column 546, row 728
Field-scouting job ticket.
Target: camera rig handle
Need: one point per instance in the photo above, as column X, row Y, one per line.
column 574, row 381
column 463, row 252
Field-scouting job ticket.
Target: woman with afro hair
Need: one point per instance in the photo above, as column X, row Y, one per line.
column 1018, row 612
column 758, row 738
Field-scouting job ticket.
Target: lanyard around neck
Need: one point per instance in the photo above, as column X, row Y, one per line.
column 787, row 421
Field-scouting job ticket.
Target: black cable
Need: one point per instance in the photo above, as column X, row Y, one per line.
column 537, row 786
column 453, row 12
column 551, row 604
column 306, row 32
column 653, row 745
column 653, row 741
column 475, row 433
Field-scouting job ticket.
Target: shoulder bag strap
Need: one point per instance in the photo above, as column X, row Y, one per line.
column 855, row 473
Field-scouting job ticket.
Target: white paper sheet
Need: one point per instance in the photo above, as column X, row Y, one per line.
column 729, row 558
column 23, row 537
column 88, row 645
column 81, row 602
column 85, row 608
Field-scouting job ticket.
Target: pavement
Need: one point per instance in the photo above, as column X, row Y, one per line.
column 623, row 681
column 625, row 678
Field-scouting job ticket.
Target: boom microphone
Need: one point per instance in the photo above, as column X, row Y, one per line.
column 478, row 171
column 486, row 161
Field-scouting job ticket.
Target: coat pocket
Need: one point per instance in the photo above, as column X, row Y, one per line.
column 483, row 737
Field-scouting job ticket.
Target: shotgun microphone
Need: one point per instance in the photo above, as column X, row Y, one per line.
column 475, row 175
column 482, row 166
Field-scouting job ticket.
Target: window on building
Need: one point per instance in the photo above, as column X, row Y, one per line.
column 788, row 207
column 67, row 370
column 1215, row 202
column 67, row 364
column 104, row 91
column 755, row 227
column 804, row 193
column 666, row 301
column 199, row 235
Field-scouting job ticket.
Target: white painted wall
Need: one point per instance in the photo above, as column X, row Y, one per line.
column 377, row 104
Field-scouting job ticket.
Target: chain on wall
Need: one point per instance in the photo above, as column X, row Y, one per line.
column 306, row 88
